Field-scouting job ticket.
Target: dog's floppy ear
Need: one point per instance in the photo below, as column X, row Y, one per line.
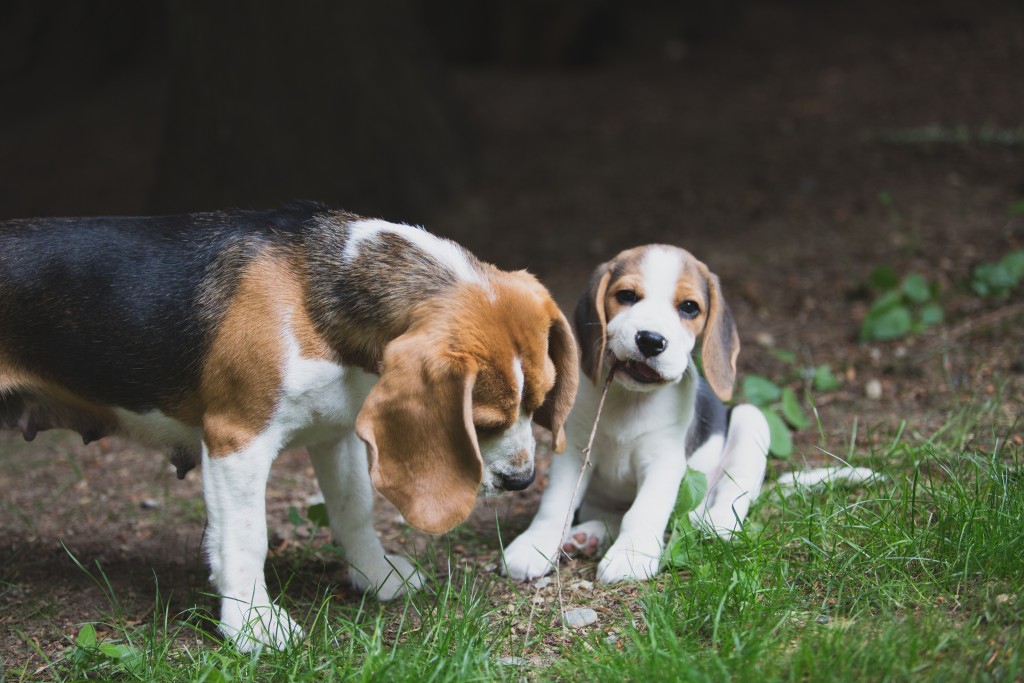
column 417, row 423
column 562, row 350
column 592, row 323
column 720, row 343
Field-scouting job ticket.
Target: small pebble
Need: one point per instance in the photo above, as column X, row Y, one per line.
column 580, row 617
column 511, row 661
column 873, row 389
column 542, row 582
column 151, row 504
column 822, row 619
column 582, row 586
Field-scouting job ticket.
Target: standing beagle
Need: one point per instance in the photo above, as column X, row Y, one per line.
column 642, row 316
column 394, row 356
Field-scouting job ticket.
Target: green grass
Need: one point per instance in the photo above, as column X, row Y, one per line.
column 919, row 577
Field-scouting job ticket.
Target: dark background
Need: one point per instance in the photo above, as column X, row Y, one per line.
column 538, row 132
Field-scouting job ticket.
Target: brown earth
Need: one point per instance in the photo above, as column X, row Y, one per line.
column 764, row 151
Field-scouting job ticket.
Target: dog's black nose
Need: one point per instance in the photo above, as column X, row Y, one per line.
column 650, row 343
column 513, row 483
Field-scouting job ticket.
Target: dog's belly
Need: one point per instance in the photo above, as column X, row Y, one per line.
column 31, row 410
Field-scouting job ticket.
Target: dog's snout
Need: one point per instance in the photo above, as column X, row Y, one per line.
column 650, row 343
column 517, row 482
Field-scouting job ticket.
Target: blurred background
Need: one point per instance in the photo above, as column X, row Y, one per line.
column 541, row 133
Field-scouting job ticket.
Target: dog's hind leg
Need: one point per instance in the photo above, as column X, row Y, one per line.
column 342, row 471
column 235, row 491
column 742, row 466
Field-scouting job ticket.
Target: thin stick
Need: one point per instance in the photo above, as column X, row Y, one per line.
column 579, row 481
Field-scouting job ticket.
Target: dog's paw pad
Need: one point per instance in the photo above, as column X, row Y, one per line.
column 585, row 539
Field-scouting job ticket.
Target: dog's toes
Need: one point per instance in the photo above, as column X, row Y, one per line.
column 387, row 579
column 251, row 628
column 624, row 564
column 524, row 560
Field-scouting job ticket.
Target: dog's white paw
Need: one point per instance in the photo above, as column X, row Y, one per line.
column 530, row 556
column 389, row 578
column 253, row 627
column 625, row 564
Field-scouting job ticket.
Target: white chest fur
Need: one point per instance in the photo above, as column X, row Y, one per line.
column 319, row 399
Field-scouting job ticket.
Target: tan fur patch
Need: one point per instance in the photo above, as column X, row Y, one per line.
column 242, row 375
column 693, row 286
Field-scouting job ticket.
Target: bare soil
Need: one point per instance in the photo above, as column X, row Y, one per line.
column 760, row 151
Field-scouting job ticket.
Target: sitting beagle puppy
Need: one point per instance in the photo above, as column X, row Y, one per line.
column 641, row 317
column 394, row 356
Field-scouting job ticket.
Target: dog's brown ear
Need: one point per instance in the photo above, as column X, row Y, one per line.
column 417, row 423
column 592, row 322
column 720, row 343
column 562, row 350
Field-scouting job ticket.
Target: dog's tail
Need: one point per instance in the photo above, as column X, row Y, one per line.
column 827, row 476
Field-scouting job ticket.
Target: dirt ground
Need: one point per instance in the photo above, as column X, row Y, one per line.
column 765, row 151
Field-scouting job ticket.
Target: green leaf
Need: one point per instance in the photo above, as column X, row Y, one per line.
column 824, row 380
column 884, row 278
column 318, row 515
column 1017, row 208
column 295, row 518
column 888, row 324
column 86, row 636
column 760, row 391
column 793, row 411
column 1014, row 264
column 931, row 314
column 115, row 651
column 886, row 302
column 916, row 288
column 691, row 492
column 783, row 355
column 781, row 440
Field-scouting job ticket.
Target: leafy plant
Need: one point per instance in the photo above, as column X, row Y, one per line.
column 779, row 401
column 905, row 306
column 681, row 549
column 90, row 652
column 1000, row 278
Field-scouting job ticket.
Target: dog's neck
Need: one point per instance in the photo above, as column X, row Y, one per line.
column 360, row 303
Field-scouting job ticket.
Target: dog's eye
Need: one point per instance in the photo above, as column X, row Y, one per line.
column 487, row 430
column 626, row 297
column 689, row 309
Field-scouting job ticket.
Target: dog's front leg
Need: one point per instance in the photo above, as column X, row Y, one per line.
column 536, row 551
column 636, row 553
column 344, row 478
column 235, row 490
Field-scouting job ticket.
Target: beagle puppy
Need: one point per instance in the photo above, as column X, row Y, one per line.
column 394, row 356
column 641, row 317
